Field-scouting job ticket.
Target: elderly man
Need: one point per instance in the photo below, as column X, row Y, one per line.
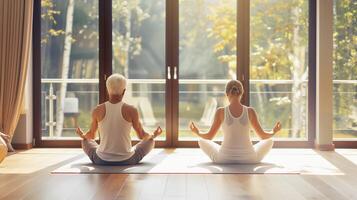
column 114, row 120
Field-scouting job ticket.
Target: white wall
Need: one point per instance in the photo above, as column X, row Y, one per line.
column 324, row 64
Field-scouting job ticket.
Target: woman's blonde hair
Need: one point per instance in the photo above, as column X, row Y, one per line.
column 234, row 88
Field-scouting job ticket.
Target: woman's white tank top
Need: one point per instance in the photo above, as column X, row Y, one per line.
column 236, row 143
column 115, row 141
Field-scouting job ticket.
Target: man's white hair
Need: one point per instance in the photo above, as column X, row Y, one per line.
column 116, row 84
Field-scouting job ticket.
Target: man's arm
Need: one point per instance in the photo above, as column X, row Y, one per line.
column 90, row 134
column 141, row 133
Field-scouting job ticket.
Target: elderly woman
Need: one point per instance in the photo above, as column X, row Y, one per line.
column 235, row 119
column 114, row 119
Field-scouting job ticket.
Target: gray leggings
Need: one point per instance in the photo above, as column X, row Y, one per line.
column 141, row 149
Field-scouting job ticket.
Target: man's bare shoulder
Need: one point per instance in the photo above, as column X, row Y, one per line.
column 99, row 110
column 129, row 112
column 129, row 108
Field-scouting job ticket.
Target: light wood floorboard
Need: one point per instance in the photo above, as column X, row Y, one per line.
column 33, row 180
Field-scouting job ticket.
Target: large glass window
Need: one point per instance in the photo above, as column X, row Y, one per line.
column 69, row 65
column 278, row 64
column 345, row 69
column 201, row 49
column 207, row 58
column 139, row 54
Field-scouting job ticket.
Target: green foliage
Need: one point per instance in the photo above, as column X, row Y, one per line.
column 127, row 19
column 345, row 61
column 48, row 13
column 279, row 36
column 278, row 49
column 272, row 27
column 345, row 40
column 224, row 31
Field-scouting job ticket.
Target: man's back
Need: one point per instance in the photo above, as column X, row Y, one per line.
column 114, row 119
column 127, row 111
column 114, row 131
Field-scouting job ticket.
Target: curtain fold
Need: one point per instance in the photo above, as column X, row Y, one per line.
column 15, row 42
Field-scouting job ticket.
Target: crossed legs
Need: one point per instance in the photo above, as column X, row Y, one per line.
column 141, row 149
column 211, row 149
column 262, row 148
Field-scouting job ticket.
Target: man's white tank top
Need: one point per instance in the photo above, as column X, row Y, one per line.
column 115, row 141
column 236, row 143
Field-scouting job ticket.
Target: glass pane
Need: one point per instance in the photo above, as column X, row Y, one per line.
column 345, row 70
column 279, row 59
column 69, row 65
column 207, row 57
column 139, row 54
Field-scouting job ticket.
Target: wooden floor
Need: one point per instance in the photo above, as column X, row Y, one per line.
column 28, row 177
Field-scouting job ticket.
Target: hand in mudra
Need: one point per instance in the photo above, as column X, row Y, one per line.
column 157, row 132
column 80, row 133
column 277, row 127
column 194, row 128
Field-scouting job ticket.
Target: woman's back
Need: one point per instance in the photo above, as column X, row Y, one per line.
column 236, row 143
column 236, row 146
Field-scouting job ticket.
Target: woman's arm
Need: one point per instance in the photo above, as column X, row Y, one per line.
column 253, row 118
column 218, row 118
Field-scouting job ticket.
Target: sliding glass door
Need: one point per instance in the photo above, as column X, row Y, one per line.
column 69, row 66
column 138, row 43
column 263, row 43
column 207, row 59
column 345, row 71
column 76, row 43
column 279, row 64
column 177, row 56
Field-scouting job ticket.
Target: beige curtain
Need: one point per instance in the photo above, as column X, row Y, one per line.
column 15, row 40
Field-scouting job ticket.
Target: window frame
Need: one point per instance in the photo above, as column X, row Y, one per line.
column 105, row 59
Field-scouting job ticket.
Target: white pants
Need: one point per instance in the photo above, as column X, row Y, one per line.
column 211, row 149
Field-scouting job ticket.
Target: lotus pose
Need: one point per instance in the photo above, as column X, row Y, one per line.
column 114, row 119
column 235, row 119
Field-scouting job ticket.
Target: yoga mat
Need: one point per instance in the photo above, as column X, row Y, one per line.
column 194, row 161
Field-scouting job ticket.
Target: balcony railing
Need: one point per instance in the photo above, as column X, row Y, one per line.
column 50, row 94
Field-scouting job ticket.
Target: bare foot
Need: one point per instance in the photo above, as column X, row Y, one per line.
column 80, row 133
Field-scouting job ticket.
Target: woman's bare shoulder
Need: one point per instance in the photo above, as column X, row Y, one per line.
column 220, row 110
column 251, row 112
